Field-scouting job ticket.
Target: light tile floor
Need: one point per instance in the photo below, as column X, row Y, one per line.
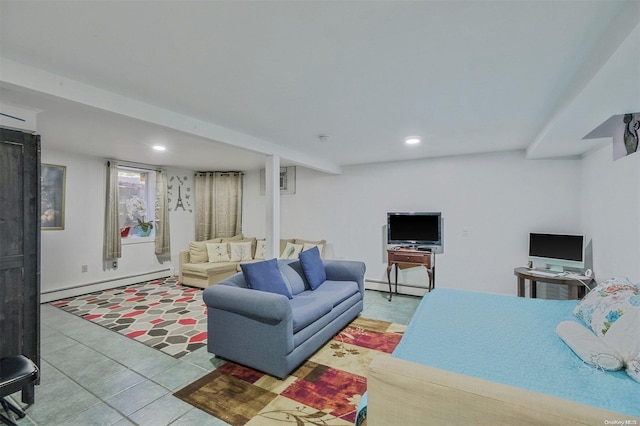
column 94, row 376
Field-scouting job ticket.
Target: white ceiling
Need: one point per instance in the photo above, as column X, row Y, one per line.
column 222, row 83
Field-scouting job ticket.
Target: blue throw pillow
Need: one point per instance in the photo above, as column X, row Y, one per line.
column 265, row 276
column 313, row 267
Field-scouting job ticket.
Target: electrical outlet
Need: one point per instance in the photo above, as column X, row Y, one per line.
column 115, row 264
column 465, row 232
column 85, row 268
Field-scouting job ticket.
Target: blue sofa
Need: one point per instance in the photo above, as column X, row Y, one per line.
column 272, row 333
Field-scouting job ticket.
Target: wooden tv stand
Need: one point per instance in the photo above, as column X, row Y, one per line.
column 407, row 258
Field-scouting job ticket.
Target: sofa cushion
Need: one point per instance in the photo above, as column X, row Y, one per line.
column 313, row 267
column 334, row 292
column 265, row 276
column 306, row 309
column 294, row 275
column 217, row 252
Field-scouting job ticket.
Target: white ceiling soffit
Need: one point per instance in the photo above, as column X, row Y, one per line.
column 608, row 84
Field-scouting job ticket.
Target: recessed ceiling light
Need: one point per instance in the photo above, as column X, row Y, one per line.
column 412, row 140
column 159, row 148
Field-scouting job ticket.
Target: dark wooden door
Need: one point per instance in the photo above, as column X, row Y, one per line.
column 19, row 244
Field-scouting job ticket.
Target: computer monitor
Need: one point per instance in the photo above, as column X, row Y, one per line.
column 557, row 251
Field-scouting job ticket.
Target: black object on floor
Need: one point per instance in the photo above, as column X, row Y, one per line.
column 17, row 373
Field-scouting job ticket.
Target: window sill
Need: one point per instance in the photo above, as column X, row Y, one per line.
column 137, row 240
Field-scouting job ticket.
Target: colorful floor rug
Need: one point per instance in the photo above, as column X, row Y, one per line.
column 162, row 314
column 325, row 390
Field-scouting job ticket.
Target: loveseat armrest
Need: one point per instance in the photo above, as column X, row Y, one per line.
column 258, row 305
column 346, row 270
column 182, row 259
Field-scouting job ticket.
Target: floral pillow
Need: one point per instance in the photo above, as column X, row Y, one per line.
column 606, row 303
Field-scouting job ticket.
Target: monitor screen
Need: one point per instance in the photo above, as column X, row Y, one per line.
column 557, row 249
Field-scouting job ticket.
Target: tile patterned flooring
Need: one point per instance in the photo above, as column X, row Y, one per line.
column 94, row 376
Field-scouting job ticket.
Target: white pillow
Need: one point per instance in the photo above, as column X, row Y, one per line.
column 308, row 246
column 588, row 346
column 217, row 252
column 240, row 251
column 261, row 249
column 633, row 368
column 291, row 251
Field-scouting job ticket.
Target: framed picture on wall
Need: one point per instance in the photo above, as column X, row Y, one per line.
column 287, row 180
column 52, row 181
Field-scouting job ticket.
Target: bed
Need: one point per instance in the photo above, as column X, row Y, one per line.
column 479, row 358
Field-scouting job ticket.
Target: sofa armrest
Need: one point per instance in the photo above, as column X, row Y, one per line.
column 346, row 270
column 261, row 306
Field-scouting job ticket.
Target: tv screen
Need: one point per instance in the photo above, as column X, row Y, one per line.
column 414, row 228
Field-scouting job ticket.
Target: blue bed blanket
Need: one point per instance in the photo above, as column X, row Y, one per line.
column 511, row 340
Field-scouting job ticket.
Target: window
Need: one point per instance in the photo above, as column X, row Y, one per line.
column 136, row 203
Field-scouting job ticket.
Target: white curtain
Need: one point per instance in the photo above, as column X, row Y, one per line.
column 162, row 240
column 218, row 198
column 112, row 239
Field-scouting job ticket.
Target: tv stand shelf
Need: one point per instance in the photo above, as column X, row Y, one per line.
column 408, row 258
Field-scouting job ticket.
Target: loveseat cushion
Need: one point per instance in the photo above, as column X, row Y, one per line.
column 265, row 276
column 198, row 250
column 306, row 309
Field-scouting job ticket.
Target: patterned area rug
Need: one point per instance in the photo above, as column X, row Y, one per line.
column 325, row 390
column 162, row 314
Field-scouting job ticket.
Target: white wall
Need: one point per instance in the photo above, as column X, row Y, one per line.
column 63, row 252
column 499, row 198
column 611, row 212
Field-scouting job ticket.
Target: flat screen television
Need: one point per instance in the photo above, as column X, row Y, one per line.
column 415, row 229
column 557, row 251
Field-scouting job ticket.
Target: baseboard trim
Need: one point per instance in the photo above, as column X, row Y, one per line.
column 408, row 289
column 79, row 289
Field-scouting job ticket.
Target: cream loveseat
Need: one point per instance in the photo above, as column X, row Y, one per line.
column 208, row 262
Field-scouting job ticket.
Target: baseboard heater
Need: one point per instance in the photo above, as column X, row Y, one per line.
column 78, row 289
column 408, row 289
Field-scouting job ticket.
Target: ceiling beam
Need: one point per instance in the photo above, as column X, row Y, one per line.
column 16, row 75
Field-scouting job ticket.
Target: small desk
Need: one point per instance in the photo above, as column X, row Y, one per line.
column 576, row 288
column 405, row 258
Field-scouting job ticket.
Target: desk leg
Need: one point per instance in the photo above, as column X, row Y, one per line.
column 533, row 290
column 520, row 287
column 389, row 279
column 396, row 282
column 573, row 292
